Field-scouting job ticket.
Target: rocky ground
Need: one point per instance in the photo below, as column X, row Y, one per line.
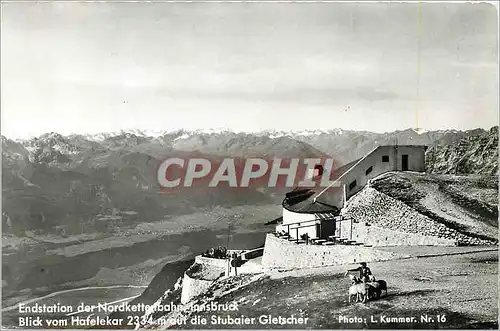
column 452, row 291
column 475, row 154
column 452, row 207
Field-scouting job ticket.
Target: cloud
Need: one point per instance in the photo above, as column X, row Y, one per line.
column 478, row 65
column 196, row 61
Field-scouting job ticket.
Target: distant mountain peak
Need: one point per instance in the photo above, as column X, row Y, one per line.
column 344, row 145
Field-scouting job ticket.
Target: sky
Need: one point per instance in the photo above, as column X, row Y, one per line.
column 97, row 67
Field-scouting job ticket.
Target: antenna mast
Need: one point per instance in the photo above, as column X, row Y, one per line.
column 228, row 234
column 419, row 65
column 395, row 156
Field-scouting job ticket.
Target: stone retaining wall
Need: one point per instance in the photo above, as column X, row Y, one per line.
column 377, row 236
column 219, row 263
column 283, row 254
column 200, row 276
column 379, row 209
column 192, row 287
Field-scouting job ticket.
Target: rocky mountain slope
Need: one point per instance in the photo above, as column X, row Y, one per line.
column 71, row 185
column 343, row 145
column 446, row 206
column 70, row 182
column 475, row 154
column 351, row 145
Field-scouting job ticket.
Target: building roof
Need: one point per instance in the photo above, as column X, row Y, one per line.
column 343, row 169
column 307, row 206
column 299, row 199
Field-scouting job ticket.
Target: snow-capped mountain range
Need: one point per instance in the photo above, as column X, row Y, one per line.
column 345, row 145
column 69, row 179
column 186, row 133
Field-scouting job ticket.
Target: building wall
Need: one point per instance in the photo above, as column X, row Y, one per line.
column 310, row 230
column 416, row 162
column 315, row 228
column 345, row 229
column 282, row 254
column 292, row 217
column 334, row 196
column 359, row 232
column 416, row 157
column 304, row 219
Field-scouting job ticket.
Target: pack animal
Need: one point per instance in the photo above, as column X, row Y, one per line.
column 358, row 289
column 382, row 286
column 378, row 286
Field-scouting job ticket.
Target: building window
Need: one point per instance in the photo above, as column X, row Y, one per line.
column 318, row 170
column 385, row 158
column 352, row 185
column 368, row 171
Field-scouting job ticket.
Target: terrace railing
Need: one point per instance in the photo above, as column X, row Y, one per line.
column 316, row 221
